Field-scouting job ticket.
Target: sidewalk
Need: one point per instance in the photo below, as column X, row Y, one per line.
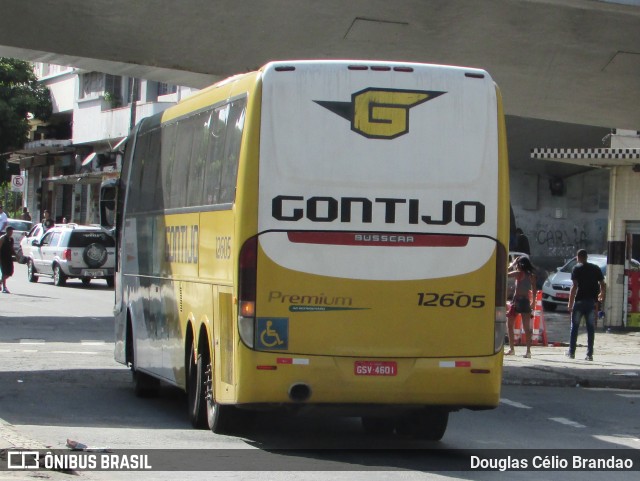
column 616, row 359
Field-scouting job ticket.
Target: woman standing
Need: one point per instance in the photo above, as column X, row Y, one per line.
column 6, row 257
column 524, row 303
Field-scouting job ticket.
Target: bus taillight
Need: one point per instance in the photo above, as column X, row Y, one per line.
column 247, row 274
column 501, row 297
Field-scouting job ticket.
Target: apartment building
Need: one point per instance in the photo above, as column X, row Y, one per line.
column 67, row 158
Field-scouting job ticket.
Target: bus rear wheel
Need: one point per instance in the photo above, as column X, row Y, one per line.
column 377, row 426
column 219, row 417
column 204, row 411
column 196, row 390
column 429, row 424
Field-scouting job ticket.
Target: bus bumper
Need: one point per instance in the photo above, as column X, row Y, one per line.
column 472, row 382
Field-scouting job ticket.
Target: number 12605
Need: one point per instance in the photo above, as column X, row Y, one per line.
column 452, row 299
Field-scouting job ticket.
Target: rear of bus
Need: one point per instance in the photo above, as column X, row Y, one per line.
column 376, row 280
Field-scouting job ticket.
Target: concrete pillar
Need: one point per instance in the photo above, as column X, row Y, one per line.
column 624, row 206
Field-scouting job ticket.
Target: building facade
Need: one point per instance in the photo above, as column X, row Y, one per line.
column 68, row 158
column 621, row 164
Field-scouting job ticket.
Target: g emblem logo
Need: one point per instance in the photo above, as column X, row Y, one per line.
column 380, row 113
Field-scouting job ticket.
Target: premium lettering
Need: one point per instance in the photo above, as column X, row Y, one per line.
column 309, row 299
column 392, row 210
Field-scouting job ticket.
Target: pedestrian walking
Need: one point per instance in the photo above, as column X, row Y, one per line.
column 4, row 220
column 587, row 289
column 47, row 221
column 26, row 215
column 524, row 299
column 6, row 257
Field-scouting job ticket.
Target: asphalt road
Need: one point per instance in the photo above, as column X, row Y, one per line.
column 59, row 382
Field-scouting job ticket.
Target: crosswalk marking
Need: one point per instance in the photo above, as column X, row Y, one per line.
column 514, row 404
column 75, row 352
column 568, row 422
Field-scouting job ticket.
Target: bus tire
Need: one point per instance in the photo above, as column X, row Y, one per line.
column 376, row 426
column 196, row 394
column 220, row 418
column 429, row 424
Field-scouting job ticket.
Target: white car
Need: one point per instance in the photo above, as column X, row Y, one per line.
column 26, row 243
column 71, row 250
column 555, row 290
column 20, row 229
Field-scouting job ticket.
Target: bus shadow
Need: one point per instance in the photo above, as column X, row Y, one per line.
column 88, row 398
column 56, row 329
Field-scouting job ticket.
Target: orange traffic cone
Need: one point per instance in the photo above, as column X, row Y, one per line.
column 539, row 335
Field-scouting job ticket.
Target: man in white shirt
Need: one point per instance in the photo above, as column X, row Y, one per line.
column 3, row 220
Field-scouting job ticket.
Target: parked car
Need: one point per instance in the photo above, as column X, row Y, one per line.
column 26, row 243
column 73, row 251
column 20, row 229
column 555, row 290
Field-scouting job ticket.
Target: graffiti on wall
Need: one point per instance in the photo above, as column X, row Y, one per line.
column 563, row 241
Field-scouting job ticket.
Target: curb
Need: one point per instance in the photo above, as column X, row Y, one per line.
column 575, row 382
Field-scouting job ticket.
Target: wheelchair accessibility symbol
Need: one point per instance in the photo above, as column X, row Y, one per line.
column 273, row 333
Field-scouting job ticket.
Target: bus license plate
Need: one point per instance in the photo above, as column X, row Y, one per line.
column 375, row 368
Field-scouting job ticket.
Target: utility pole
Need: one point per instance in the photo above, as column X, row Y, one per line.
column 132, row 101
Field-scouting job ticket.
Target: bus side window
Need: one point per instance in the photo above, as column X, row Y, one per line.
column 149, row 183
column 195, row 182
column 138, row 164
column 169, row 133
column 180, row 173
column 235, row 127
column 215, row 155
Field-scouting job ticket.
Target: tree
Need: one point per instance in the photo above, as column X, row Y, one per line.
column 20, row 95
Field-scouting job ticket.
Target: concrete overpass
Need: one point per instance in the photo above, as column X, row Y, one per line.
column 569, row 71
column 575, row 61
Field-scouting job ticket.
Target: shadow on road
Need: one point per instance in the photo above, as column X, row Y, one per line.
column 56, row 329
column 87, row 397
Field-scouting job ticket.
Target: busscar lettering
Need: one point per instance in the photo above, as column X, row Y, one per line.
column 293, row 208
column 384, row 238
column 181, row 244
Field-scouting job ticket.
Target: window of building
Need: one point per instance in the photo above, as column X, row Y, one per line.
column 91, row 84
column 134, row 83
column 166, row 89
column 113, row 87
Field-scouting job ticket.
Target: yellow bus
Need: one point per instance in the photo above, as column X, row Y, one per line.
column 319, row 235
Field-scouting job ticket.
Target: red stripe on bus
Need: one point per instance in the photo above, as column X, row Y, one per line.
column 378, row 239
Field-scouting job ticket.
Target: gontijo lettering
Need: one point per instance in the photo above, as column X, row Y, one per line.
column 329, row 209
column 181, row 244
